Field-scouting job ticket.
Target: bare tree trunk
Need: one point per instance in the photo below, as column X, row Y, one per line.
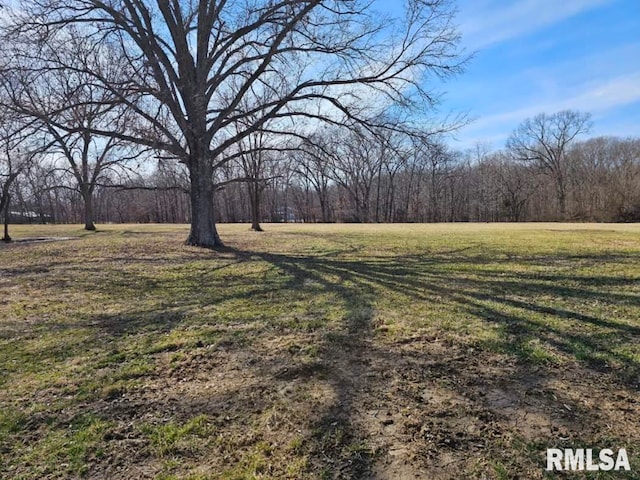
column 6, row 238
column 434, row 214
column 286, row 205
column 87, row 197
column 378, row 193
column 254, row 203
column 323, row 208
column 203, row 220
column 407, row 202
column 562, row 195
column 390, row 199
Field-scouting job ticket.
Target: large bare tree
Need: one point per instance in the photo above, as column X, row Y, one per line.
column 190, row 64
column 544, row 141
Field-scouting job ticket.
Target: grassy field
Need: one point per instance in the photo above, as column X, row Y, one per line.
column 320, row 352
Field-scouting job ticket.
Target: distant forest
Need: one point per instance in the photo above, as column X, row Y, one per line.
column 302, row 111
column 363, row 178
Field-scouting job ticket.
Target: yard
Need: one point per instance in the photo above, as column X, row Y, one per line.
column 318, row 351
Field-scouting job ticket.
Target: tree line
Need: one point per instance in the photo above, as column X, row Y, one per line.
column 103, row 88
column 367, row 177
column 207, row 111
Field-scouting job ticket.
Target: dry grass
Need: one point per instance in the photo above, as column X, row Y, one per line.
column 308, row 351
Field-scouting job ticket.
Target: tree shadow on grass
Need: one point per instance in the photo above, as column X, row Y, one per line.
column 421, row 405
column 531, row 334
column 552, row 311
column 337, row 446
column 442, row 388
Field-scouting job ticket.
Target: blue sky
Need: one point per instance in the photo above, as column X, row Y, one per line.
column 536, row 56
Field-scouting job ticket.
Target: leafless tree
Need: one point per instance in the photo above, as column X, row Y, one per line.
column 191, row 64
column 515, row 182
column 17, row 154
column 312, row 165
column 394, row 159
column 437, row 160
column 544, row 141
column 606, row 174
column 258, row 153
column 10, row 169
column 254, row 161
column 356, row 159
column 68, row 107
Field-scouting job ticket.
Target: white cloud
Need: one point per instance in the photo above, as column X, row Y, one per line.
column 484, row 23
column 615, row 92
column 597, row 99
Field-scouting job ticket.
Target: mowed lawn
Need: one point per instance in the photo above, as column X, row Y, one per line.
column 318, row 352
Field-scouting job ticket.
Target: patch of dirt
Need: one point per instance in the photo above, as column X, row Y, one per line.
column 429, row 409
column 423, row 409
column 362, row 407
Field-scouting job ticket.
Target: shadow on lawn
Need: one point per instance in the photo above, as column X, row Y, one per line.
column 362, row 371
column 417, row 397
column 510, row 303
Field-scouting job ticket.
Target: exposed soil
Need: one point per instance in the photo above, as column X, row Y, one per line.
column 422, row 408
